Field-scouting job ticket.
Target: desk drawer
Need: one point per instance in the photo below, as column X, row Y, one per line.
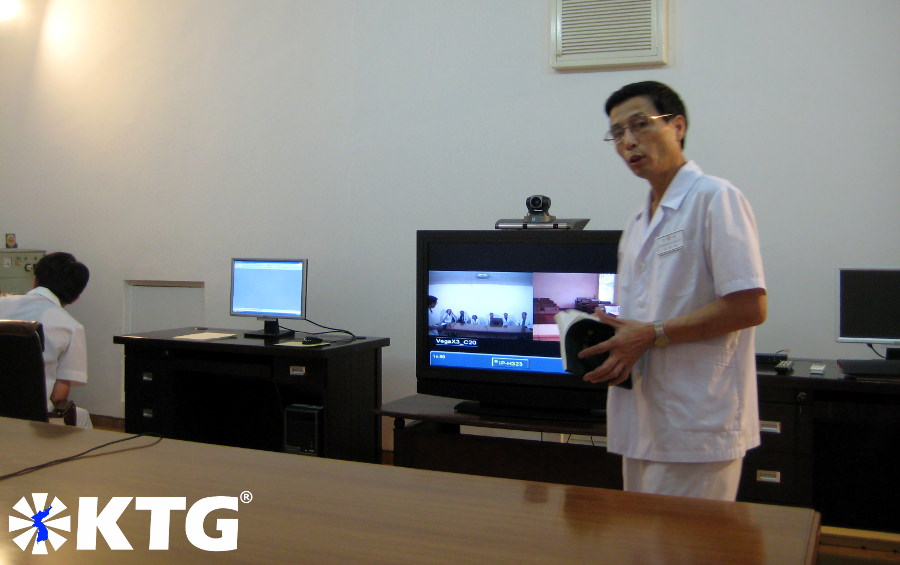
column 299, row 370
column 779, row 478
column 148, row 398
column 778, row 426
column 142, row 373
column 148, row 413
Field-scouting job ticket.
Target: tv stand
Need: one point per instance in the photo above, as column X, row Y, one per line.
column 505, row 411
column 436, row 438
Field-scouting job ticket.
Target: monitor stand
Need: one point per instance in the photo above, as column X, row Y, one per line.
column 271, row 332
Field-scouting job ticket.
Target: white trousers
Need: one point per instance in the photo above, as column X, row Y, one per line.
column 717, row 480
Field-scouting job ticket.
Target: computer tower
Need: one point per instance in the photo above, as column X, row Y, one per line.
column 303, row 429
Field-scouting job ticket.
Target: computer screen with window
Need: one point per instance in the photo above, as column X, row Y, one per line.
column 269, row 289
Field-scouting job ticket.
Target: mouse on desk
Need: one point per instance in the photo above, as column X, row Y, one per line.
column 312, row 340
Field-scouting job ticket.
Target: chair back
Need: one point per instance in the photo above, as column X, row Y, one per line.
column 23, row 388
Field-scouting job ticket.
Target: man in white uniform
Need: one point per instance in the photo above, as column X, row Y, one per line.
column 58, row 281
column 690, row 291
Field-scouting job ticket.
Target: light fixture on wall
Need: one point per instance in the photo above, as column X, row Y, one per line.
column 10, row 9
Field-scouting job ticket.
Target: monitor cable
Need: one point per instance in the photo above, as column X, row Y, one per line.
column 33, row 468
column 330, row 330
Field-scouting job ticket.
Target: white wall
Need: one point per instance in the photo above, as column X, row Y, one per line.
column 156, row 139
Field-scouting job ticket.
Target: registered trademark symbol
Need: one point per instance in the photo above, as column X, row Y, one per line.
column 246, row 496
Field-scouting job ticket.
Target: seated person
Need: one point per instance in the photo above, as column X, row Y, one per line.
column 525, row 323
column 58, row 281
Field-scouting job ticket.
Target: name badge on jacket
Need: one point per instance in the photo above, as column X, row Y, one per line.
column 669, row 243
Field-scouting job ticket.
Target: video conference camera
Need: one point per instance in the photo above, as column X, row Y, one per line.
column 539, row 217
column 538, row 204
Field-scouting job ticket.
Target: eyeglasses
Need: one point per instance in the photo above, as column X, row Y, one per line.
column 638, row 124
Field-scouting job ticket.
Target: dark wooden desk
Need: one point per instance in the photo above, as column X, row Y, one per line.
column 831, row 443
column 316, row 510
column 235, row 391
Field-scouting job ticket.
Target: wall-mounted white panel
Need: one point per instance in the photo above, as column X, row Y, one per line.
column 160, row 305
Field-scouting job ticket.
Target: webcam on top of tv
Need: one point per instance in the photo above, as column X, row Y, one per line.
column 539, row 217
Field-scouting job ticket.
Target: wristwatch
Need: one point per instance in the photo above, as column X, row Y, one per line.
column 662, row 339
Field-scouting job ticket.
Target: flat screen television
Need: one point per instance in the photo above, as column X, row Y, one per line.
column 868, row 307
column 269, row 289
column 485, row 331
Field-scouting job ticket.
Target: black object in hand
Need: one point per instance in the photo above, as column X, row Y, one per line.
column 583, row 334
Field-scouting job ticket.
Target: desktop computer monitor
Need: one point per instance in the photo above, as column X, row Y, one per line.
column 868, row 311
column 869, row 306
column 269, row 289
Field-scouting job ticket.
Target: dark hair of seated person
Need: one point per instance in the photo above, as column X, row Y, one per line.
column 63, row 275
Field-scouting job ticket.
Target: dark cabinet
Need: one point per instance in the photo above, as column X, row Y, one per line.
column 779, row 470
column 828, row 443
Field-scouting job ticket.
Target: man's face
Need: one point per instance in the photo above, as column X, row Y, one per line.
column 657, row 150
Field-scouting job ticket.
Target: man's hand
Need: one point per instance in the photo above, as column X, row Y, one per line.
column 59, row 396
column 632, row 339
column 729, row 313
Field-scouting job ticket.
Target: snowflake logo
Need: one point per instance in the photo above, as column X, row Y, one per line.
column 41, row 520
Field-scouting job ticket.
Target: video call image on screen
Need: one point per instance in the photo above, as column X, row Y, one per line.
column 505, row 320
column 267, row 288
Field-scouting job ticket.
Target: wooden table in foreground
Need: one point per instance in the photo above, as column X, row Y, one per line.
column 315, row 510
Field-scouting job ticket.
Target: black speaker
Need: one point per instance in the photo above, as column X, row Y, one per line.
column 303, row 429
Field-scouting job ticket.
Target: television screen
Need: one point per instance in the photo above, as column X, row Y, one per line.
column 508, row 319
column 487, row 302
column 269, row 289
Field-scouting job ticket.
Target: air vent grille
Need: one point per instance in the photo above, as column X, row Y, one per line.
column 609, row 33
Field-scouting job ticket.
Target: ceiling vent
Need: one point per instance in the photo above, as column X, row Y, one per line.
column 608, row 33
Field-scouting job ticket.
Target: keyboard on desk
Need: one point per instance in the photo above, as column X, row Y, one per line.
column 869, row 368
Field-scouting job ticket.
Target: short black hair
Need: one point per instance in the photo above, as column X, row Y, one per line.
column 664, row 99
column 63, row 275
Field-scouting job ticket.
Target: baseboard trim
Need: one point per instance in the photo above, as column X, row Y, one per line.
column 860, row 539
column 108, row 423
